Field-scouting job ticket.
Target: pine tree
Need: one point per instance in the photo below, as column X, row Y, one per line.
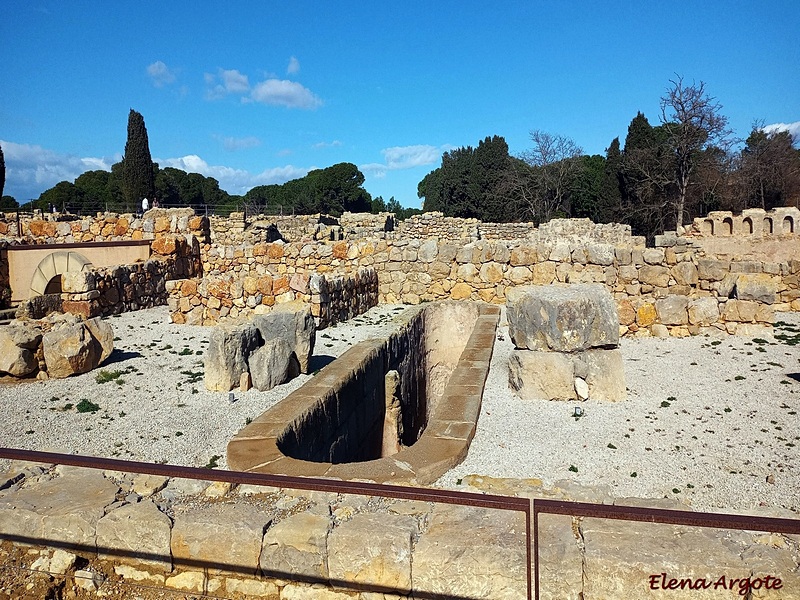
column 137, row 166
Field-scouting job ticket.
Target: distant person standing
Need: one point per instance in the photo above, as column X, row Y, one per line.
column 145, row 205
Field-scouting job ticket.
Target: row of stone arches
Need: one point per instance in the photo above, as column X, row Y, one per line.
column 749, row 226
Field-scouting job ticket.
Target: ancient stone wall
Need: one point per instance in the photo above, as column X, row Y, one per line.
column 44, row 228
column 236, row 295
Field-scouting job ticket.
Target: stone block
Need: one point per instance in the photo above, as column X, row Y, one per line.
column 296, row 546
column 537, row 375
column 606, row 375
column 226, row 357
column 759, row 287
column 654, row 275
column 227, row 536
column 672, row 310
column 373, row 550
column 294, row 323
column 685, row 273
column 272, row 364
column 136, row 533
column 562, row 318
column 703, row 311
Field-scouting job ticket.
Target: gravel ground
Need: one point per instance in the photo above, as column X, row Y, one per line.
column 706, row 421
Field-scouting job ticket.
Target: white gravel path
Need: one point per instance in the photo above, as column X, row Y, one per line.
column 731, row 420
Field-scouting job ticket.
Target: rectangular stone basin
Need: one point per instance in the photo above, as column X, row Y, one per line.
column 400, row 408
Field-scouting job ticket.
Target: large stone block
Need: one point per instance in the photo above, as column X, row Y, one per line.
column 226, row 357
column 272, row 364
column 605, row 375
column 672, row 310
column 759, row 287
column 297, row 546
column 542, row 375
column 294, row 323
column 471, row 553
column 227, row 536
column 137, row 533
column 564, row 318
column 703, row 311
column 70, row 350
column 373, row 550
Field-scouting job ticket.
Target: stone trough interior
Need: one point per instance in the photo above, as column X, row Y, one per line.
column 400, row 408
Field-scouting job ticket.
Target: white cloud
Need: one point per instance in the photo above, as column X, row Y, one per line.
column 792, row 128
column 405, row 157
column 30, row 169
column 282, row 92
column 321, row 145
column 160, row 74
column 232, row 144
column 225, row 82
column 294, row 66
column 234, row 181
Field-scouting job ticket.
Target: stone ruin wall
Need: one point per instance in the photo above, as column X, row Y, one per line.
column 727, row 273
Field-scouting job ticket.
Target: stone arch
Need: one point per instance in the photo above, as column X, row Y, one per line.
column 747, row 226
column 54, row 265
column 768, row 226
column 726, row 226
column 788, row 224
column 707, row 227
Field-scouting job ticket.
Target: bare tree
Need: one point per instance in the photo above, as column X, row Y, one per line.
column 554, row 160
column 769, row 169
column 693, row 122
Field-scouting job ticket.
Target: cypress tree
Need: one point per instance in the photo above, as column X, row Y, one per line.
column 2, row 172
column 138, row 180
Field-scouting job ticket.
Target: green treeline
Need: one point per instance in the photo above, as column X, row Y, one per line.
column 663, row 176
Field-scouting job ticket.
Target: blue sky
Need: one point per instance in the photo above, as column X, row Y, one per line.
column 260, row 92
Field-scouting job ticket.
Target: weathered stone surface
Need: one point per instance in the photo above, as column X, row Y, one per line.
column 685, row 273
column 605, row 375
column 70, row 350
column 272, row 364
column 298, row 591
column 646, row 314
column 672, row 310
column 600, row 254
column 77, row 282
column 16, row 359
column 759, row 287
column 64, row 509
column 225, row 535
column 226, row 357
column 713, row 270
column 621, row 556
column 562, row 318
column 136, row 533
column 297, row 545
column 654, row 275
column 742, row 311
column 541, row 375
column 103, row 334
column 471, row 553
column 373, row 549
column 703, row 311
column 294, row 323
column 560, row 560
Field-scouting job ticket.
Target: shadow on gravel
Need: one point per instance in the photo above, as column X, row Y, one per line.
column 319, row 361
column 795, row 376
column 119, row 356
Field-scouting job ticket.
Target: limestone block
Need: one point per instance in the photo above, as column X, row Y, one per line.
column 299, row 591
column 103, row 334
column 70, row 350
column 536, row 375
column 471, row 553
column 703, row 311
column 491, row 272
column 460, row 291
column 600, row 254
column 519, row 275
column 672, row 310
column 654, row 275
column 272, row 364
column 564, row 318
column 428, row 251
column 224, row 535
column 18, row 343
column 140, row 531
column 63, row 509
column 759, row 287
column 646, row 314
column 296, row 546
column 373, row 550
column 606, row 375
column 544, row 273
column 522, row 256
column 77, row 282
column 621, row 556
column 294, row 323
column 560, row 560
column 626, row 312
column 226, row 357
column 741, row 311
column 685, row 273
column 713, row 270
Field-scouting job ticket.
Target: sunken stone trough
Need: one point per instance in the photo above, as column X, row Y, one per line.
column 400, row 408
column 566, row 340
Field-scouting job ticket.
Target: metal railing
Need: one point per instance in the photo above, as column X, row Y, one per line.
column 531, row 508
